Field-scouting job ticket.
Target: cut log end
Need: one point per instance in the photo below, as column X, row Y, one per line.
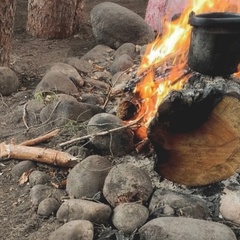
column 206, row 150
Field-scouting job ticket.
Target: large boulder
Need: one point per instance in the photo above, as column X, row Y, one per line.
column 114, row 25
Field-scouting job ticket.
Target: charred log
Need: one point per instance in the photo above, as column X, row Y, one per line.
column 195, row 132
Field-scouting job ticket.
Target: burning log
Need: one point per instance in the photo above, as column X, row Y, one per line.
column 196, row 132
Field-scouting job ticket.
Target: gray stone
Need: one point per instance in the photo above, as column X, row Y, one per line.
column 40, row 192
column 121, row 63
column 66, row 109
column 9, row 82
column 126, row 48
column 74, row 230
column 178, row 228
column 127, row 183
column 102, row 76
column 56, row 82
column 68, row 70
column 48, row 207
column 78, row 151
column 114, row 25
column 80, row 64
column 77, row 209
column 33, row 109
column 179, row 204
column 230, row 204
column 22, row 167
column 86, row 179
column 38, row 177
column 92, row 99
column 143, row 50
column 128, row 217
column 117, row 143
column 119, row 81
column 99, row 54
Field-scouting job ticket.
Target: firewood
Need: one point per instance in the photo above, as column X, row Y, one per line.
column 37, row 154
column 127, row 109
column 196, row 132
column 40, row 139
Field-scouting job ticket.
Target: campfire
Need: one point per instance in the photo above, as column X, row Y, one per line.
column 189, row 116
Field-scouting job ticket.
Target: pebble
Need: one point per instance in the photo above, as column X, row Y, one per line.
column 127, row 183
column 67, row 110
column 22, row 167
column 40, row 192
column 128, row 217
column 68, row 70
column 9, row 81
column 86, row 179
column 38, row 177
column 126, row 48
column 230, row 203
column 80, row 64
column 56, row 82
column 48, row 207
column 121, row 63
column 78, row 209
column 74, row 230
column 99, row 54
column 179, row 228
column 79, row 152
column 167, row 202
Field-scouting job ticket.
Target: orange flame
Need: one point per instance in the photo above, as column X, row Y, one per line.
column 168, row 55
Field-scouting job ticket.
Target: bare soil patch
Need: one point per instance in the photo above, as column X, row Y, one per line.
column 18, row 219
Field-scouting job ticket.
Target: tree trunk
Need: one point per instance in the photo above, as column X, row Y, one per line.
column 196, row 132
column 54, row 18
column 7, row 13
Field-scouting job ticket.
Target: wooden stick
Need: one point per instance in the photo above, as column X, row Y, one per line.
column 40, row 139
column 43, row 155
column 99, row 134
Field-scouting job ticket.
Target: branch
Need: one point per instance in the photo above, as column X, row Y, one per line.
column 40, row 139
column 37, row 154
column 100, row 133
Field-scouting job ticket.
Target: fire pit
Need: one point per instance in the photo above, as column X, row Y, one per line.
column 191, row 115
column 215, row 43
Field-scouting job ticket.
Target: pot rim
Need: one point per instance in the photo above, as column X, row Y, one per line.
column 214, row 19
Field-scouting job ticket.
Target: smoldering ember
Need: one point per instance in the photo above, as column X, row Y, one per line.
column 128, row 129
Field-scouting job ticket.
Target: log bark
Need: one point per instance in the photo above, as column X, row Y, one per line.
column 7, row 14
column 54, row 18
column 196, row 132
column 37, row 154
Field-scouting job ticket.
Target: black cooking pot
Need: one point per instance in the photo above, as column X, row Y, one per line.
column 215, row 43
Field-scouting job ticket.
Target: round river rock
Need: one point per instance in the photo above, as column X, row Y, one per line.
column 117, row 143
column 127, row 183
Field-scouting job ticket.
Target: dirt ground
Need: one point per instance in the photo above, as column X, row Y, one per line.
column 18, row 219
